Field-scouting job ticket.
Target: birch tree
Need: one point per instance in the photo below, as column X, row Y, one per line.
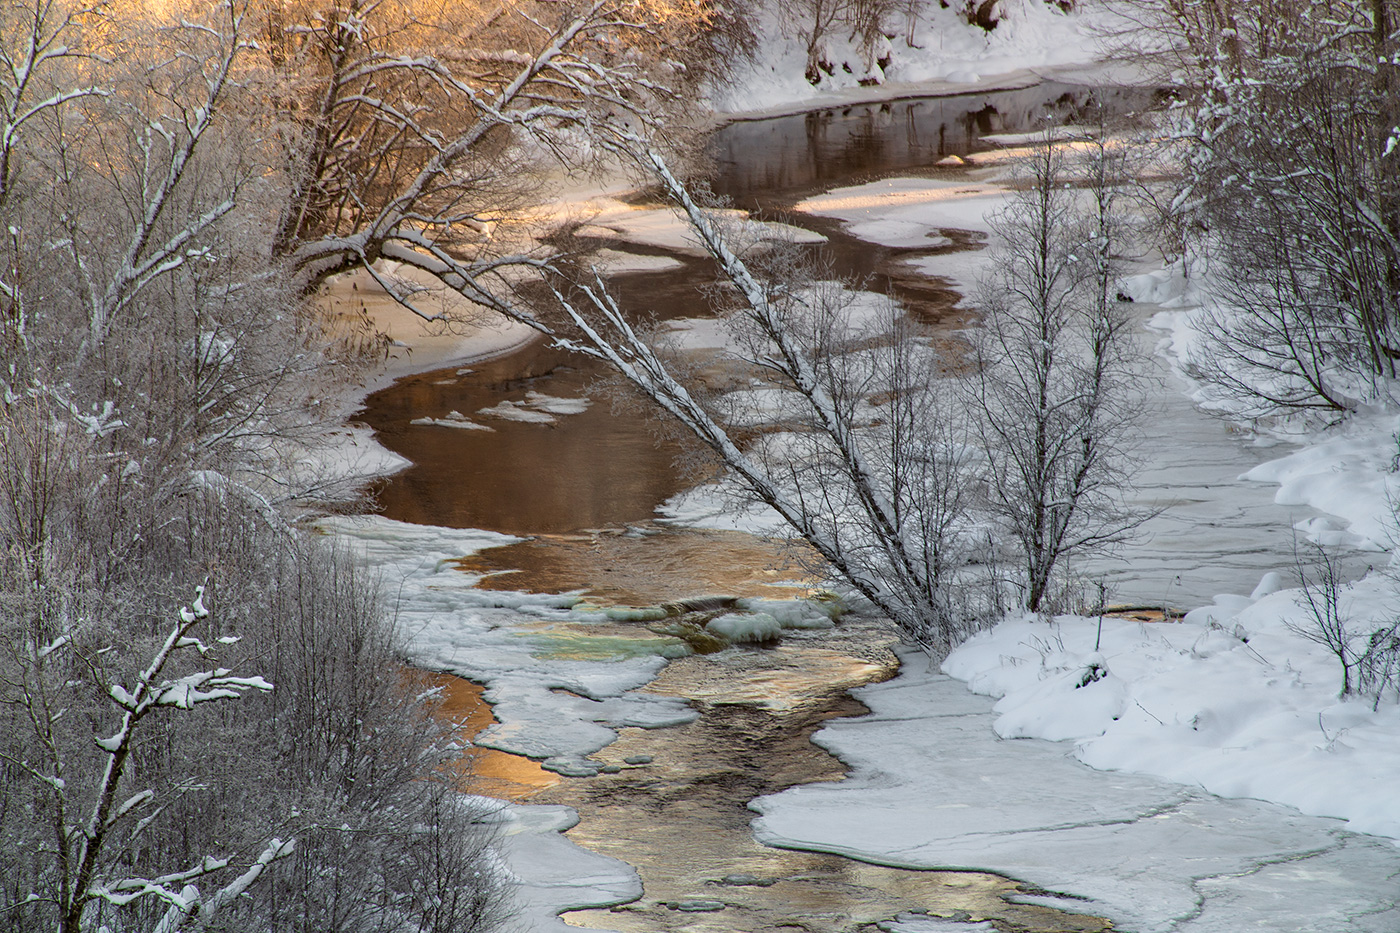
column 877, row 490
column 1052, row 375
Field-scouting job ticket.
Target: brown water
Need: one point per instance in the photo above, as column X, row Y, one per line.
column 681, row 818
column 586, row 488
column 604, row 468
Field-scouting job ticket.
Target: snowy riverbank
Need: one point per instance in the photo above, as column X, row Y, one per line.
column 941, row 54
column 933, row 782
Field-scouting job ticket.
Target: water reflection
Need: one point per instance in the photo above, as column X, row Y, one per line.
column 604, row 468
column 486, row 770
column 680, row 817
column 645, row 566
column 761, row 164
column 583, row 471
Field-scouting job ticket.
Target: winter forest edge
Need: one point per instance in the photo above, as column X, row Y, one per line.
column 209, row 721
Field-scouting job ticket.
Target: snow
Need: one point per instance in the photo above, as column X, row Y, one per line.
column 907, row 212
column 1351, row 474
column 946, row 56
column 740, row 628
column 1231, row 699
column 931, row 786
column 665, row 228
column 552, row 874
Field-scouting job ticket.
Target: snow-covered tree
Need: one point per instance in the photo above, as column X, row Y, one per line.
column 95, row 827
column 1052, row 385
column 158, row 386
column 1291, row 151
column 420, row 132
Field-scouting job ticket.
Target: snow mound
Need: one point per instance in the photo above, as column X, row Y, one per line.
column 1234, row 699
column 745, row 627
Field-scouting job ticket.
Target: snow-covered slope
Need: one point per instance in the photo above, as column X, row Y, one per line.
column 941, row 49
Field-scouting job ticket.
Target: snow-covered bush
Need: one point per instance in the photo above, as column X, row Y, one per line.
column 158, row 387
column 1292, row 180
column 1366, row 646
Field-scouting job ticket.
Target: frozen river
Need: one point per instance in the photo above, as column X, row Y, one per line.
column 1215, row 534
column 669, row 796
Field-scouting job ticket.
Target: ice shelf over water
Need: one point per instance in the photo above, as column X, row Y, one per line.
column 933, row 786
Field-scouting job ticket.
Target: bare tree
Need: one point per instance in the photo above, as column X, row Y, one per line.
column 871, row 473
column 1366, row 649
column 1052, row 367
column 1288, row 145
column 158, row 381
column 416, row 133
column 87, row 848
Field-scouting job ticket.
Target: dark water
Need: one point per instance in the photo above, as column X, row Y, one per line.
column 767, row 164
column 605, row 468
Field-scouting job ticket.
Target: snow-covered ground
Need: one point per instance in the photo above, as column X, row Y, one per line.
column 942, row 55
column 1236, row 700
column 932, row 786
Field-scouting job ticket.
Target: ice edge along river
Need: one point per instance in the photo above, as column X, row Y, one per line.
column 925, row 763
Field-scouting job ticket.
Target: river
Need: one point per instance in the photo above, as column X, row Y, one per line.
column 585, row 489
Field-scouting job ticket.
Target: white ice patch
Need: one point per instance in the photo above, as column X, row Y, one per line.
column 698, row 334
column 722, row 506
column 814, row 613
column 507, row 410
column 761, row 406
column 536, row 408
column 918, row 923
column 453, row 419
column 665, row 228
column 931, row 786
column 555, row 405
column 551, row 873
column 615, row 262
column 547, row 706
column 908, row 211
column 744, row 627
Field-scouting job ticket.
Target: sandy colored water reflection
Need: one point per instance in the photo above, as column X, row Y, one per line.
column 645, row 565
column 682, row 820
column 485, row 770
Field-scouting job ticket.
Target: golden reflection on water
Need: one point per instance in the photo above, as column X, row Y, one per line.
column 486, row 770
column 646, row 566
column 681, row 818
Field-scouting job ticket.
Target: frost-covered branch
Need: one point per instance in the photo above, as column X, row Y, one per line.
column 84, row 845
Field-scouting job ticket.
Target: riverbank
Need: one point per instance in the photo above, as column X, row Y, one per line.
column 941, row 54
column 556, row 703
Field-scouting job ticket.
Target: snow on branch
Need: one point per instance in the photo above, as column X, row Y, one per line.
column 84, row 845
